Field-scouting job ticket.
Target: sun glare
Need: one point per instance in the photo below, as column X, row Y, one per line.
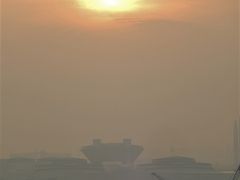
column 110, row 5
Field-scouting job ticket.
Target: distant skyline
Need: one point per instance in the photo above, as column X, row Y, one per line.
column 168, row 79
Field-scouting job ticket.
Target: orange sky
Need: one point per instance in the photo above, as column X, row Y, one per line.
column 70, row 12
column 167, row 79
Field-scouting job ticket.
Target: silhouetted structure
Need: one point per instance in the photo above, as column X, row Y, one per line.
column 157, row 176
column 49, row 168
column 38, row 155
column 124, row 152
column 236, row 135
column 237, row 174
column 179, row 164
column 177, row 167
column 62, row 168
column 66, row 168
column 16, row 168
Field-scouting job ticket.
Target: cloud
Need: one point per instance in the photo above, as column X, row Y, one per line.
column 68, row 13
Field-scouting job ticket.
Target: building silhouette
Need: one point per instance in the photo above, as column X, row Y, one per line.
column 178, row 164
column 101, row 165
column 124, row 152
column 185, row 168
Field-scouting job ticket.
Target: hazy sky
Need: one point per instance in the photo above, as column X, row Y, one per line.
column 165, row 77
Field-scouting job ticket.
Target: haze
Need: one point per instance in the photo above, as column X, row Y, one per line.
column 167, row 80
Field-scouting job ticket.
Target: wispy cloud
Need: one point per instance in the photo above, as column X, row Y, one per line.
column 69, row 13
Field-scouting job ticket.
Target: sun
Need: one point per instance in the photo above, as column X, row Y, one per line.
column 110, row 5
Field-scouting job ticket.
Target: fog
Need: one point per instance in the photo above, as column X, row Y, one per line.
column 169, row 83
